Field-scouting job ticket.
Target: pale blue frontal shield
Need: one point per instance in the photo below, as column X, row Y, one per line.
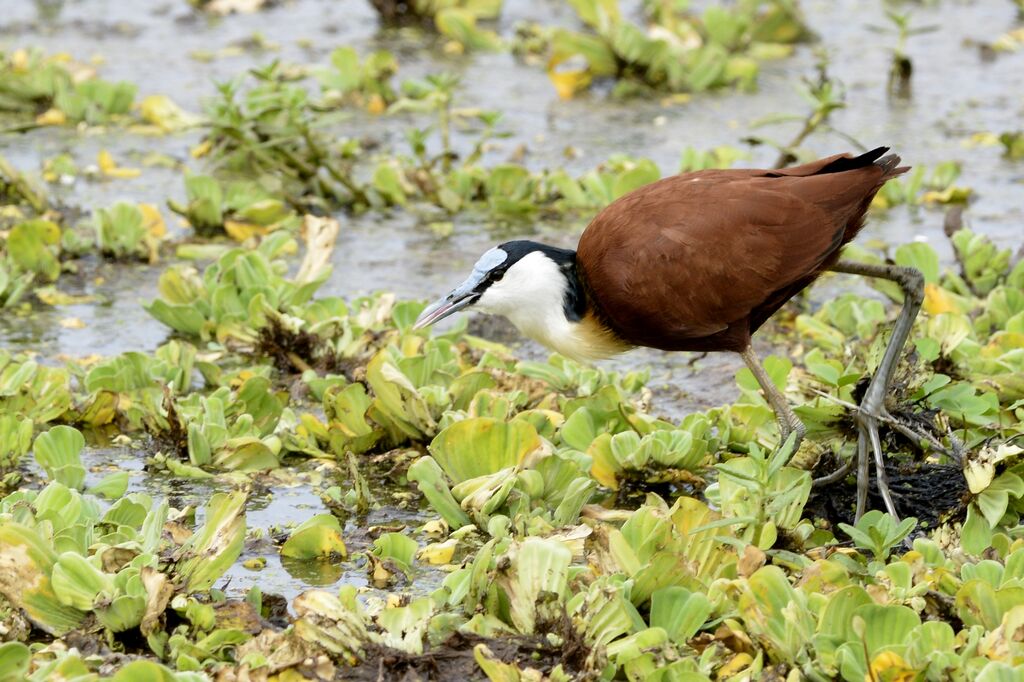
column 464, row 294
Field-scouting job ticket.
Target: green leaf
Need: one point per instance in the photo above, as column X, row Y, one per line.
column 319, row 537
column 679, row 611
column 397, row 547
column 33, row 246
column 216, row 545
column 430, row 480
column 58, row 452
column 480, row 446
column 25, row 579
column 14, row 660
column 460, row 26
column 78, row 583
column 920, row 256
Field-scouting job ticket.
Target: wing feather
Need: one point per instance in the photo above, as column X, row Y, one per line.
column 690, row 255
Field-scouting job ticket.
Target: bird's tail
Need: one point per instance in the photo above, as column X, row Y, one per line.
column 890, row 165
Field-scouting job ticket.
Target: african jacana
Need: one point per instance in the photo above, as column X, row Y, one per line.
column 698, row 262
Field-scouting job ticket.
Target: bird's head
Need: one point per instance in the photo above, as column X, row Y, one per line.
column 531, row 284
column 540, row 290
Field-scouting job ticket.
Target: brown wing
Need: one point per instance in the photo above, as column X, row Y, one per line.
column 694, row 255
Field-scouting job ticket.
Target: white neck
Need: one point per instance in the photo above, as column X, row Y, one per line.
column 532, row 296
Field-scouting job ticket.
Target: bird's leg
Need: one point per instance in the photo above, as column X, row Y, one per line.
column 872, row 406
column 784, row 415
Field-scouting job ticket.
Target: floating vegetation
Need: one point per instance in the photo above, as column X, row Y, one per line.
column 465, row 514
column 454, row 19
column 520, row 455
column 679, row 52
column 922, row 187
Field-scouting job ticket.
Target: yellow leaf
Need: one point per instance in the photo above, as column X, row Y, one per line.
column 51, row 296
column 153, row 220
column 438, row 528
column 376, row 105
column 201, row 149
column 110, row 168
column 735, row 665
column 880, row 203
column 604, row 474
column 161, row 111
column 240, row 231
column 72, row 323
column 951, row 195
column 86, row 361
column 891, row 667
column 454, row 48
column 51, row 117
column 438, row 553
column 983, row 139
column 19, row 60
column 568, row 83
column 937, row 300
column 751, row 560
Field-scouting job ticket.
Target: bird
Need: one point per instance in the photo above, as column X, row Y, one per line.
column 698, row 262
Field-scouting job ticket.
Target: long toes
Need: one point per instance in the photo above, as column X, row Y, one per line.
column 880, row 475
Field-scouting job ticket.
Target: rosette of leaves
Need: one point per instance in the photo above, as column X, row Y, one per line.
column 995, row 478
column 455, row 19
column 580, row 380
column 30, row 253
column 606, row 411
column 365, row 82
column 230, row 301
column 664, row 455
column 73, row 558
column 58, row 451
column 480, row 467
column 233, row 430
column 413, row 387
column 131, row 389
column 59, row 90
column 920, row 187
column 15, row 440
column 317, row 538
column 128, row 231
column 240, row 209
column 679, row 53
column 686, row 544
column 31, row 390
column 614, row 177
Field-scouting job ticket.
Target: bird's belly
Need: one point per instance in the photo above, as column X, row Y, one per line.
column 734, row 337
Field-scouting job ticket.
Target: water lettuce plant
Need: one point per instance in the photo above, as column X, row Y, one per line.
column 56, row 90
column 240, row 209
column 680, row 52
column 234, row 295
column 68, row 556
column 484, row 516
column 537, row 483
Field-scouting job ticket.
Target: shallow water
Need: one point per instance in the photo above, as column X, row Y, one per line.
column 955, row 94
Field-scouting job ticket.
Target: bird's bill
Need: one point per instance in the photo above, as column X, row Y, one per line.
column 442, row 308
column 458, row 298
column 464, row 295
